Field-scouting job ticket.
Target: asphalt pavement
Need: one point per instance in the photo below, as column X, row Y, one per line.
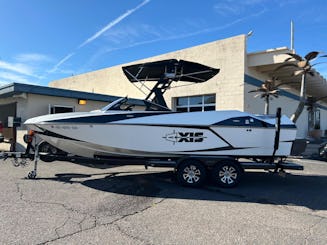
column 70, row 203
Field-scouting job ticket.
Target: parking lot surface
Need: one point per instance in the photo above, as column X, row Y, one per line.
column 70, row 203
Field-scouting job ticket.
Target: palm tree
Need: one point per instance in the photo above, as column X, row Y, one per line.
column 268, row 89
column 303, row 68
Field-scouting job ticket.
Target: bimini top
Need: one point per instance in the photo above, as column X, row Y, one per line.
column 176, row 70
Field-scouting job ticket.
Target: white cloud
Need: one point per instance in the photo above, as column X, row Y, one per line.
column 26, row 68
column 11, row 77
column 3, row 82
column 32, row 57
column 17, row 67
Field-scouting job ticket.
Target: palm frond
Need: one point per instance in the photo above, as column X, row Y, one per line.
column 311, row 73
column 288, row 59
column 319, row 63
column 276, row 91
column 311, row 55
column 281, row 84
column 285, row 65
column 296, row 73
column 295, row 56
column 257, row 90
column 303, row 64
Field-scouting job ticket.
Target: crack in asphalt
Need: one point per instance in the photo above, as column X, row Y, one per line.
column 68, row 209
column 132, row 214
column 86, row 215
column 310, row 230
column 107, row 224
column 289, row 208
column 262, row 200
column 131, row 236
column 61, row 226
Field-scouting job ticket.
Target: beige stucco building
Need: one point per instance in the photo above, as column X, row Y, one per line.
column 240, row 72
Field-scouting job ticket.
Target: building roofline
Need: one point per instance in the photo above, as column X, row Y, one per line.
column 18, row 88
column 272, row 50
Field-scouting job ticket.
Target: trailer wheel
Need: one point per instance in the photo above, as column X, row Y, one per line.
column 47, row 148
column 227, row 173
column 51, row 151
column 31, row 175
column 191, row 173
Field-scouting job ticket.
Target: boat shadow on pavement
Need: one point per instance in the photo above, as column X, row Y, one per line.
column 256, row 187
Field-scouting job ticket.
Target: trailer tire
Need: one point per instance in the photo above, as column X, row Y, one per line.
column 45, row 147
column 227, row 173
column 191, row 173
column 51, row 152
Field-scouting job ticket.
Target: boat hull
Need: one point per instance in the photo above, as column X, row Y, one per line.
column 134, row 140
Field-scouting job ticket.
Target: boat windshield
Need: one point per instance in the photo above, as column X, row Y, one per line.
column 125, row 104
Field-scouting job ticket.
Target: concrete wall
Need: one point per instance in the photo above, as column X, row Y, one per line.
column 227, row 54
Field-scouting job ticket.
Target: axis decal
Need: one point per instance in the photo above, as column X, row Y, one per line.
column 185, row 137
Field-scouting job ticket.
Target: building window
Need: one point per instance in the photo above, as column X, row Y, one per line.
column 196, row 103
column 54, row 109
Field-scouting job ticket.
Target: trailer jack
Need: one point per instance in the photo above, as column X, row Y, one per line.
column 22, row 158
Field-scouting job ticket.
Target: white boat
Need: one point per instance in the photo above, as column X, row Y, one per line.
column 149, row 130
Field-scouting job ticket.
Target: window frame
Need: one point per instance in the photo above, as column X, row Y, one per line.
column 188, row 106
column 62, row 106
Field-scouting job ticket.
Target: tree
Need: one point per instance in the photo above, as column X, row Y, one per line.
column 303, row 68
column 267, row 90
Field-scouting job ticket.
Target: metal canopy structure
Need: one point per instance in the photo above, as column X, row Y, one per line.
column 176, row 70
column 269, row 61
column 165, row 72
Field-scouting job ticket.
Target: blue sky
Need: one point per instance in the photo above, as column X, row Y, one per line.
column 43, row 40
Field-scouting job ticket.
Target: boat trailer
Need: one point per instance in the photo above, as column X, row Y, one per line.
column 33, row 153
column 190, row 169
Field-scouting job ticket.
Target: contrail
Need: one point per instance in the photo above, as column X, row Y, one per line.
column 113, row 23
column 99, row 33
column 63, row 60
column 184, row 35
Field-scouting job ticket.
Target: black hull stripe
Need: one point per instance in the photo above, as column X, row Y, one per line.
column 107, row 118
column 226, row 148
column 59, row 136
column 58, row 122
